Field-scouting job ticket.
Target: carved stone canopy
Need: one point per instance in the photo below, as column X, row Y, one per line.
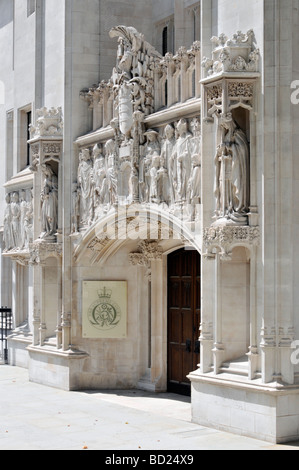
column 49, row 122
column 230, row 75
column 46, row 137
column 236, row 55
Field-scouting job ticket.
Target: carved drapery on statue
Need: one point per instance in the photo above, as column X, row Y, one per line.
column 49, row 204
column 232, row 174
column 229, row 83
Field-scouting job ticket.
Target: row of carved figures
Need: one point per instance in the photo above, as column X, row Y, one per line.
column 168, row 171
column 18, row 220
column 19, row 214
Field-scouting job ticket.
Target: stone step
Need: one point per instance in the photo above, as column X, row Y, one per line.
column 236, row 367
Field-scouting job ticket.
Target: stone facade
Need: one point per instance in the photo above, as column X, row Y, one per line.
column 165, row 125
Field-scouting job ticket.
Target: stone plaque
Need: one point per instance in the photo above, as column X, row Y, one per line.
column 104, row 309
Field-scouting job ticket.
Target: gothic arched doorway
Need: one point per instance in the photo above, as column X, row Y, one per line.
column 184, row 302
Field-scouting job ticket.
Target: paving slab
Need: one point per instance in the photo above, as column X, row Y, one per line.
column 36, row 417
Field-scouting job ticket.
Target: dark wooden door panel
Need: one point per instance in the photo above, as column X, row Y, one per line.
column 184, row 301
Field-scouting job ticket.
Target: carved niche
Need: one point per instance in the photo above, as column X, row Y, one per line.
column 46, row 145
column 229, row 83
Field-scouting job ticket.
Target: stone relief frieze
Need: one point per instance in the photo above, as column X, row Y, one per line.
column 141, row 164
column 18, row 221
column 166, row 172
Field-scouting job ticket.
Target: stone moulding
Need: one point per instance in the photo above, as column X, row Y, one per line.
column 226, row 238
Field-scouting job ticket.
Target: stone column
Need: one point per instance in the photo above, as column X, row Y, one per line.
column 218, row 346
column 158, row 327
column 253, row 350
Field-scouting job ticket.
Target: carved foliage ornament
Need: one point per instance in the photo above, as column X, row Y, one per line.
column 226, row 238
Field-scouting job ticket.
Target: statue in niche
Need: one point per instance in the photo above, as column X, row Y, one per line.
column 86, row 183
column 181, row 156
column 195, row 178
column 99, row 177
column 112, row 173
column 49, row 203
column 7, row 229
column 168, row 162
column 152, row 150
column 134, row 182
column 15, row 219
column 232, row 173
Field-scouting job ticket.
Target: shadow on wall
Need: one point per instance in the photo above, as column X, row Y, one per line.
column 2, row 93
column 6, row 12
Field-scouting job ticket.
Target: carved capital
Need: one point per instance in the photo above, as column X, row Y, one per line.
column 148, row 251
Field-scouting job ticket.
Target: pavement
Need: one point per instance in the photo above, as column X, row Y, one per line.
column 36, row 417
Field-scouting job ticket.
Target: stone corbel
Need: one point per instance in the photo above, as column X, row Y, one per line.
column 40, row 251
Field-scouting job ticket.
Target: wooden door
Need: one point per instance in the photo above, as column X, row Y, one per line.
column 183, row 318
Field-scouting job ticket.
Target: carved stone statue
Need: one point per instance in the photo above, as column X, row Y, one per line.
column 112, row 172
column 181, row 155
column 232, row 173
column 7, row 230
column 138, row 87
column 24, row 209
column 195, row 178
column 49, row 202
column 99, row 177
column 15, row 220
column 75, row 208
column 168, row 162
column 155, row 180
column 152, row 150
column 85, row 180
column 28, row 222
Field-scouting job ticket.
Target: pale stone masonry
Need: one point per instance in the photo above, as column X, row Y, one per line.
column 134, row 134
